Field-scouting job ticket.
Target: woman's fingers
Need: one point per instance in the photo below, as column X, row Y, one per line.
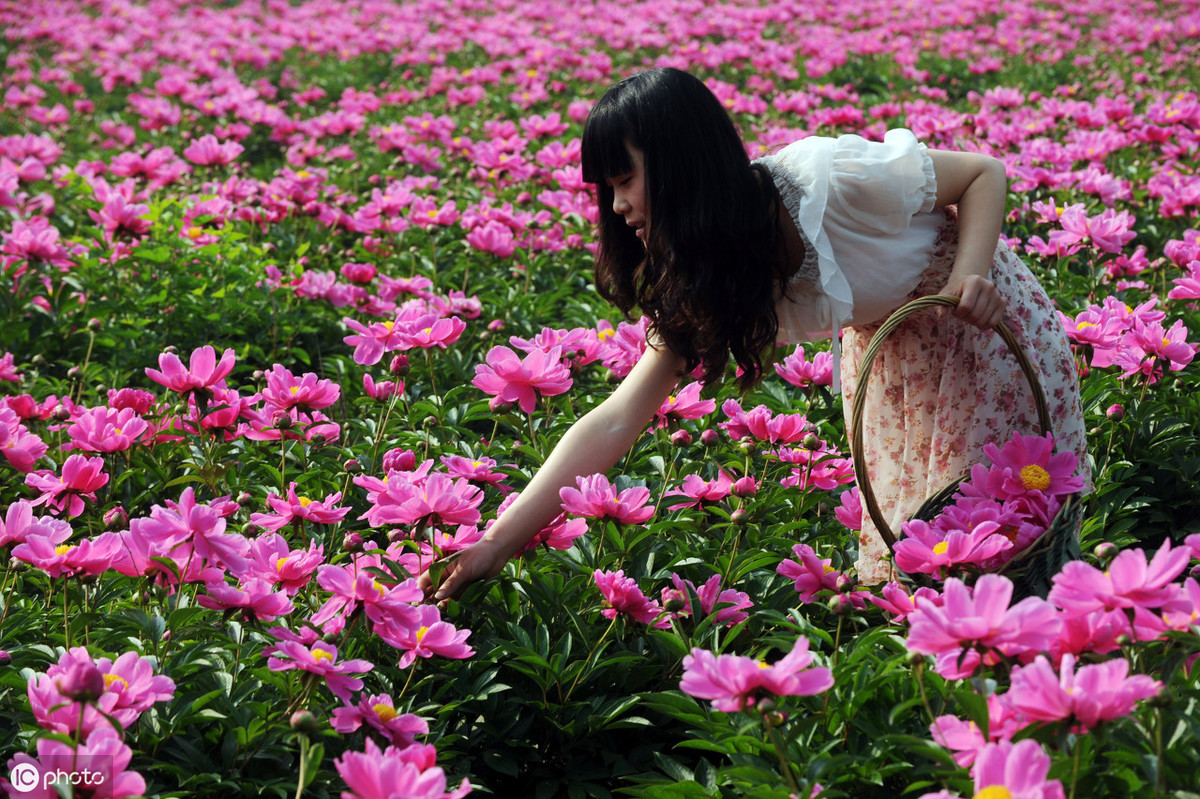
column 980, row 303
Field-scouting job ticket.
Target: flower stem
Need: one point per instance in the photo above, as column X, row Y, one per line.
column 303, row 765
column 784, row 765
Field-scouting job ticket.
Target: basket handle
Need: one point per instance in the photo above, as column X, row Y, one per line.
column 867, row 495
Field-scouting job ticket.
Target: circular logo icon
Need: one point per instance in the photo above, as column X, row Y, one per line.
column 24, row 777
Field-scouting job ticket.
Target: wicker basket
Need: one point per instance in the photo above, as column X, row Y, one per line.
column 1032, row 569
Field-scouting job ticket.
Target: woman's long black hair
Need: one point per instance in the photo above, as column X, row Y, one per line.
column 709, row 273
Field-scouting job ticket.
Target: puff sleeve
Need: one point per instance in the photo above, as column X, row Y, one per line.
column 879, row 187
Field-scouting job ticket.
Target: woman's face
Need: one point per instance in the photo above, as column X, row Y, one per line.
column 629, row 194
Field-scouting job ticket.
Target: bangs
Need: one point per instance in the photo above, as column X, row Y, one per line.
column 603, row 151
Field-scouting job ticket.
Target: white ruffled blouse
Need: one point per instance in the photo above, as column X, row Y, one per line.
column 863, row 210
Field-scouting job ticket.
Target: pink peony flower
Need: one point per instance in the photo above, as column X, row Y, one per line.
column 1096, row 692
column 271, row 558
column 254, row 596
column 1019, row 769
column 386, row 774
column 104, row 429
column 520, row 380
column 284, row 390
column 967, row 628
column 89, row 556
column 21, row 448
column 203, row 371
column 597, row 499
column 684, row 404
column 425, row 636
column 74, row 486
column 700, row 492
column 729, row 604
column 98, row 766
column 623, row 597
column 19, row 522
column 293, row 506
column 321, row 659
column 734, row 682
column 208, row 151
column 810, row 573
column 1024, row 465
column 927, row 549
column 800, row 372
column 378, row 711
column 434, row 499
column 760, row 423
column 1130, row 581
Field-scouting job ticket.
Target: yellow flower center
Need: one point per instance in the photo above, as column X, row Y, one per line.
column 828, row 568
column 117, row 430
column 304, row 501
column 605, row 334
column 421, row 633
column 194, row 232
column 279, row 563
column 1166, row 342
column 62, row 549
column 762, row 664
column 940, row 548
column 378, row 586
column 1085, row 325
column 476, row 464
column 389, row 326
column 994, row 792
column 321, row 654
column 294, row 389
column 109, row 679
column 303, row 173
column 385, row 712
column 1035, row 478
column 671, row 400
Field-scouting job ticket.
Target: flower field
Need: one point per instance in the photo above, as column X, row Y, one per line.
column 297, row 297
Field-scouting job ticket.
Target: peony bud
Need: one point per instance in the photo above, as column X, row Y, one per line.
column 116, row 518
column 739, row 517
column 710, row 438
column 1116, row 412
column 681, row 438
column 82, row 682
column 303, row 721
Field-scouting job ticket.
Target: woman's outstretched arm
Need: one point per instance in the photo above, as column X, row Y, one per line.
column 592, row 445
column 976, row 183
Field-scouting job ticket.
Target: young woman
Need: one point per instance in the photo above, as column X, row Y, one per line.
column 728, row 257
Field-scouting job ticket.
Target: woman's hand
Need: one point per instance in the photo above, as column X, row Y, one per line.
column 979, row 301
column 449, row 577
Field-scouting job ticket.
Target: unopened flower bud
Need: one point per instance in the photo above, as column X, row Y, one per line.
column 1116, row 412
column 399, row 365
column 766, row 705
column 747, row 446
column 283, row 421
column 82, row 682
column 1164, row 698
column 352, row 542
column 914, row 658
column 74, row 372
column 1124, row 639
column 60, row 414
column 840, row 604
column 1105, row 551
column 681, row 438
column 305, row 722
column 352, row 466
column 116, row 518
column 497, row 405
column 674, row 604
column 258, row 375
column 845, row 583
column 429, row 421
column 710, row 437
column 739, row 517
column 775, row 719
column 811, row 442
column 744, row 487
column 38, row 360
column 496, row 325
column 5, row 658
column 94, row 324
